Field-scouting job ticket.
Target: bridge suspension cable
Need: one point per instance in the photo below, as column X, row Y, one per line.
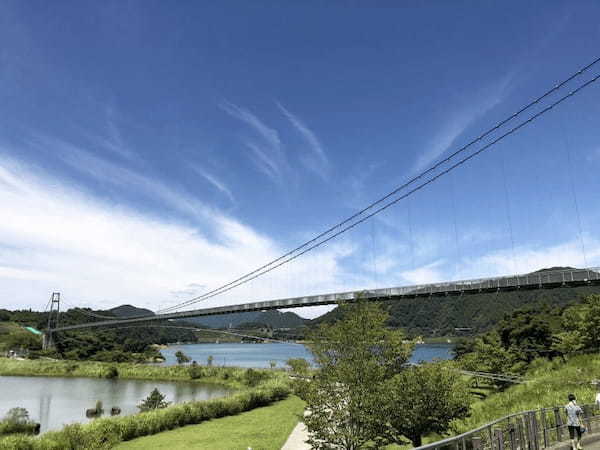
column 356, row 218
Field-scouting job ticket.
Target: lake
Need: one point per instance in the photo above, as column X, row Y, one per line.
column 57, row 401
column 260, row 355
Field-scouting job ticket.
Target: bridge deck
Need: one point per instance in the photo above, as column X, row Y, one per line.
column 538, row 280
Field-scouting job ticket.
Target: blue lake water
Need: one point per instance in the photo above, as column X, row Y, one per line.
column 260, row 355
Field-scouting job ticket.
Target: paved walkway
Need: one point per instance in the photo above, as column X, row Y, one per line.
column 297, row 438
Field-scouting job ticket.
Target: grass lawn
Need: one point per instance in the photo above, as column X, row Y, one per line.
column 261, row 429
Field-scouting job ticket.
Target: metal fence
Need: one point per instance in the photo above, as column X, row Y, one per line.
column 527, row 430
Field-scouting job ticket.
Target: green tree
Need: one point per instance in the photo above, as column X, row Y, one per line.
column 527, row 334
column 589, row 323
column 155, row 400
column 488, row 355
column 182, row 358
column 355, row 356
column 299, row 366
column 423, row 399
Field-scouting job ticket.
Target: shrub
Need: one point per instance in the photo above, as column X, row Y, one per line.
column 182, row 358
column 195, row 371
column 17, row 421
column 155, row 400
column 106, row 433
column 112, row 372
column 254, row 377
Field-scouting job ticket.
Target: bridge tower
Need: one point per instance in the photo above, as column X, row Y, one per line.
column 53, row 317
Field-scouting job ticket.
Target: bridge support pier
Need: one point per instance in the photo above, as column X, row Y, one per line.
column 47, row 343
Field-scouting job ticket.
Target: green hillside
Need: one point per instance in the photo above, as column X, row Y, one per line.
column 273, row 319
column 439, row 316
column 549, row 383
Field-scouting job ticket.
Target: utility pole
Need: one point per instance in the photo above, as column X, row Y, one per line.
column 54, row 300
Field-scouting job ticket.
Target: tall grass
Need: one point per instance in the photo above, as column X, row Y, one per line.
column 549, row 383
column 229, row 376
column 107, row 432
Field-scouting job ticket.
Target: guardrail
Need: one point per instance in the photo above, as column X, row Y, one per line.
column 527, row 430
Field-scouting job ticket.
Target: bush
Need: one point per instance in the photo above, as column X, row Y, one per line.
column 195, row 371
column 106, row 433
column 155, row 400
column 17, row 421
column 112, row 372
column 254, row 377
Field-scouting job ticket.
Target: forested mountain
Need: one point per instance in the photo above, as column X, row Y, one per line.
column 440, row 316
column 273, row 319
column 125, row 311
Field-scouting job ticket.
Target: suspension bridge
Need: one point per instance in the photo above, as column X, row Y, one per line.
column 546, row 279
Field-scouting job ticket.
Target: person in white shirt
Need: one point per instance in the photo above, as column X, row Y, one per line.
column 574, row 414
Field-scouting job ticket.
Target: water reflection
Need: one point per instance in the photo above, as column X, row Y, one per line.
column 55, row 402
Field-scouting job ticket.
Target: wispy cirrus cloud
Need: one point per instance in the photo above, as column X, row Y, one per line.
column 110, row 173
column 316, row 160
column 460, row 119
column 122, row 254
column 215, row 182
column 266, row 150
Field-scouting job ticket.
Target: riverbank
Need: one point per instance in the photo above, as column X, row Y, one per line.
column 231, row 377
column 256, row 388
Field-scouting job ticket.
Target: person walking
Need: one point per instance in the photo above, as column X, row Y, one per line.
column 574, row 414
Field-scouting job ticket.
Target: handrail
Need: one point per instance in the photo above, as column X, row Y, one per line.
column 525, row 430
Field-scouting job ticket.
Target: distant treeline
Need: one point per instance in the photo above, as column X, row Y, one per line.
column 470, row 314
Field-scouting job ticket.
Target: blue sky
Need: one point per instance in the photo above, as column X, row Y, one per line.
column 152, row 150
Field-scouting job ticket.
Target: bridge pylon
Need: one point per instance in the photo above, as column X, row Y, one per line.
column 53, row 321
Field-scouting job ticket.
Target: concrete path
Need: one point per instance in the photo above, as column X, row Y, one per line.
column 297, row 438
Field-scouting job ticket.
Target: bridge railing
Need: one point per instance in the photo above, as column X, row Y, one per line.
column 526, row 430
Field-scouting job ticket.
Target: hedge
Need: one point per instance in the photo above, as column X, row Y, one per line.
column 107, row 432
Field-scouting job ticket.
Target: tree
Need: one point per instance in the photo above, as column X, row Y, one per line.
column 488, row 355
column 155, row 400
column 17, row 415
column 182, row 358
column 589, row 324
column 527, row 334
column 355, row 356
column 424, row 399
column 299, row 366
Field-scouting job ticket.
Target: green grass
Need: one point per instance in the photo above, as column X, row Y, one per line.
column 262, row 428
column 549, row 384
column 228, row 376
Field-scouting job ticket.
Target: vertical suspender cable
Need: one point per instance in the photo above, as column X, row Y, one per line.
column 574, row 194
column 410, row 234
column 508, row 215
column 454, row 221
column 373, row 253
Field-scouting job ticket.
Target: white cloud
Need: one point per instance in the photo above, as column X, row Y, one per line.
column 265, row 161
column 317, row 160
column 267, row 153
column 430, row 273
column 57, row 238
column 109, row 173
column 459, row 120
column 269, row 134
column 501, row 262
column 217, row 183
